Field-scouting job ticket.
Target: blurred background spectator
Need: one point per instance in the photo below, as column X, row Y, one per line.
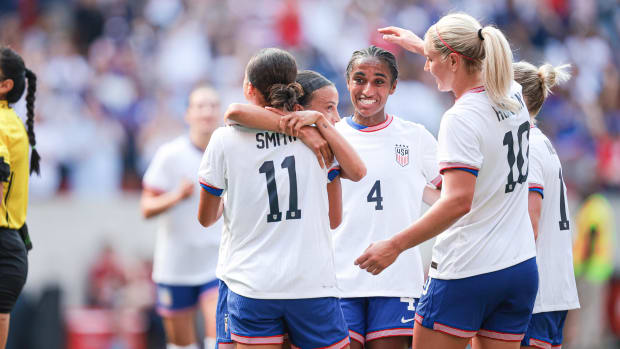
column 114, row 76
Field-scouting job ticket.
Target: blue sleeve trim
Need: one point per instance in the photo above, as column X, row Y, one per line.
column 539, row 191
column 333, row 174
column 211, row 190
column 472, row 171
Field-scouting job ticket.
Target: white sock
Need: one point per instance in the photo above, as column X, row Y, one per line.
column 210, row 343
column 174, row 346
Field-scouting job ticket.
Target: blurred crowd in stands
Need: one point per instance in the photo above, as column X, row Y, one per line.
column 114, row 75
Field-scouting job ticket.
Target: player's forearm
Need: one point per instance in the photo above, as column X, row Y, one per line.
column 253, row 116
column 438, row 218
column 347, row 157
column 153, row 205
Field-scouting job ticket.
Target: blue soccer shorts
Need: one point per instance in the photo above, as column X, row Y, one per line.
column 310, row 322
column 222, row 327
column 545, row 330
column 371, row 318
column 172, row 299
column 496, row 305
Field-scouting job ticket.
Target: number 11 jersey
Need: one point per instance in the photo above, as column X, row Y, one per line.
column 279, row 245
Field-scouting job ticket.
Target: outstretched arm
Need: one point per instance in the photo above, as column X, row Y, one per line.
column 458, row 188
column 403, row 38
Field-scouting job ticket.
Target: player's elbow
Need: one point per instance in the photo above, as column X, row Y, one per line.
column 461, row 205
column 358, row 173
column 233, row 110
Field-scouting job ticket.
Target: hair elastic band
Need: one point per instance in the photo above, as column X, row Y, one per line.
column 449, row 47
column 480, row 34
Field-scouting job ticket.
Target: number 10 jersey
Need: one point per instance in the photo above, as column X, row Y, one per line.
column 276, row 223
column 491, row 143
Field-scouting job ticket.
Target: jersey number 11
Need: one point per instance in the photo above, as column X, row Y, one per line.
column 274, row 208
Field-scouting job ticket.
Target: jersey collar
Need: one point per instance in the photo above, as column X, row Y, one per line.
column 4, row 104
column 362, row 128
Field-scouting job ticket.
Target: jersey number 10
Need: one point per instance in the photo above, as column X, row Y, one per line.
column 520, row 159
column 274, row 208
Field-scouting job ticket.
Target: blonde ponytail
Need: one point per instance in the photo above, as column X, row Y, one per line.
column 497, row 73
column 537, row 82
column 486, row 51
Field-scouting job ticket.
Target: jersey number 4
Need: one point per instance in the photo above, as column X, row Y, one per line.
column 375, row 195
column 520, row 159
column 274, row 208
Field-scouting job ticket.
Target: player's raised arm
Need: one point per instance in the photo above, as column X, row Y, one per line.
column 270, row 119
column 403, row 38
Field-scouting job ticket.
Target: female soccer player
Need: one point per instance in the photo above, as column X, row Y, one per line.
column 401, row 160
column 557, row 292
column 14, row 172
column 279, row 266
column 320, row 95
column 185, row 254
column 483, row 277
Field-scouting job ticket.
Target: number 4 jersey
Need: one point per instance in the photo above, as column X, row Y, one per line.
column 401, row 159
column 556, row 289
column 276, row 223
column 492, row 144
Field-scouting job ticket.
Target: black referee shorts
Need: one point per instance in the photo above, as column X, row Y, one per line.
column 13, row 268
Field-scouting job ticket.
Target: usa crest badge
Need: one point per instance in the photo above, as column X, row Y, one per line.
column 402, row 154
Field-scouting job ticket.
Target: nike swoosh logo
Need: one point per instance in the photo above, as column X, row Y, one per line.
column 404, row 321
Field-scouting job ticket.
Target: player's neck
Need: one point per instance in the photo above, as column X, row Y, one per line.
column 369, row 120
column 465, row 83
column 199, row 140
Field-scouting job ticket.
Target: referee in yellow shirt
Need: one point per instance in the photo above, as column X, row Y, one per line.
column 14, row 173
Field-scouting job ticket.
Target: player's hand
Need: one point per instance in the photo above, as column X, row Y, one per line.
column 186, row 188
column 378, row 256
column 313, row 139
column 403, row 38
column 294, row 121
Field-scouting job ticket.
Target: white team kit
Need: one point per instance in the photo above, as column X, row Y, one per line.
column 493, row 144
column 557, row 290
column 278, row 243
column 185, row 253
column 400, row 158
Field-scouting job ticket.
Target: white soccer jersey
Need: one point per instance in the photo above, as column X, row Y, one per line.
column 554, row 254
column 185, row 252
column 493, row 144
column 279, row 245
column 400, row 158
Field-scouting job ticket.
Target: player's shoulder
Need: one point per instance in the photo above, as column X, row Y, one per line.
column 173, row 146
column 408, row 125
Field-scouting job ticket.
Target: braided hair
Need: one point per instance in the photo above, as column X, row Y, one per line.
column 12, row 67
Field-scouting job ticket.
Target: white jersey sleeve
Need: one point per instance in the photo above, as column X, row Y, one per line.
column 459, row 144
column 430, row 166
column 157, row 175
column 212, row 172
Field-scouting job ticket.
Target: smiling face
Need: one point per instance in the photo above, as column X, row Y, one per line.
column 370, row 84
column 439, row 67
column 325, row 100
